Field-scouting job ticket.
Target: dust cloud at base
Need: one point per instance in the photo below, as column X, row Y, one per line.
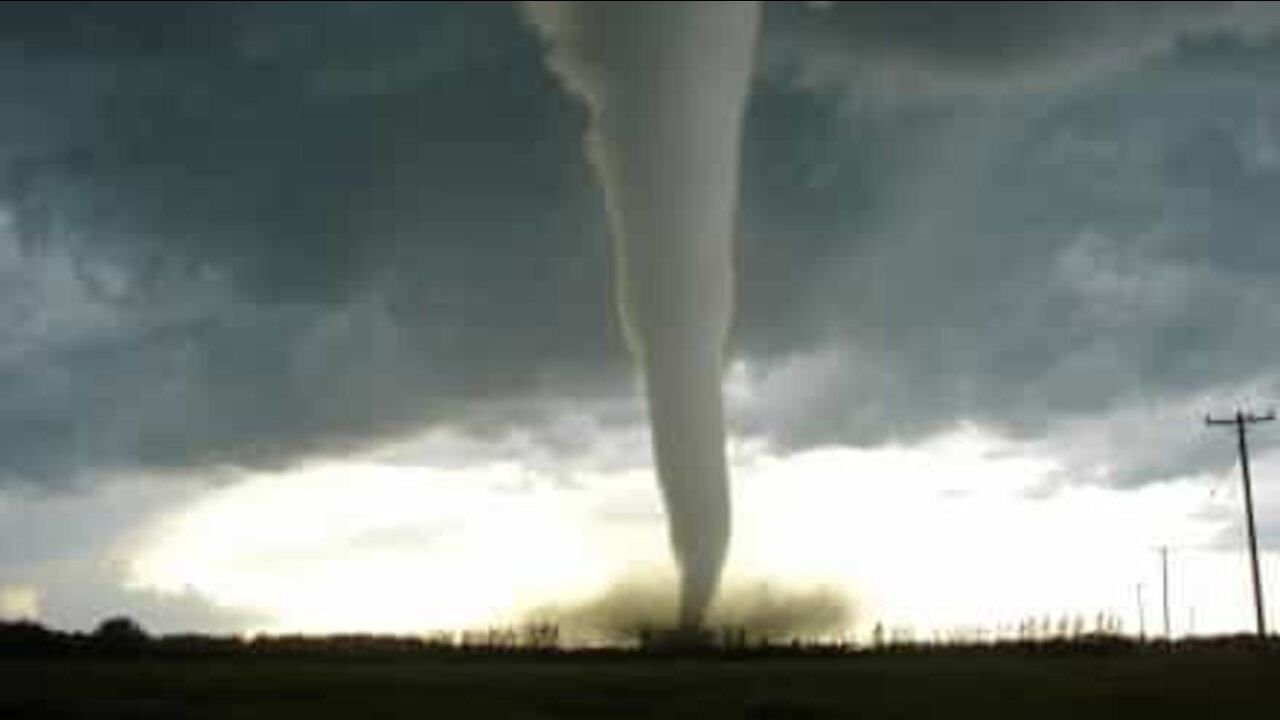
column 762, row 609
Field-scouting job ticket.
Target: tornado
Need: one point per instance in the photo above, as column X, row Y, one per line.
column 666, row 84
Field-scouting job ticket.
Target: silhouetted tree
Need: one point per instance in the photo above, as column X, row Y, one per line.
column 28, row 638
column 120, row 634
column 541, row 636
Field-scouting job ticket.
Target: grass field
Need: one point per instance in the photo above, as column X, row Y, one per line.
column 1179, row 684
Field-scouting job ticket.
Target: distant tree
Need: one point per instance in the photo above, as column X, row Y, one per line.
column 902, row 635
column 540, row 636
column 120, row 626
column 733, row 638
column 25, row 637
column 120, row 634
column 441, row 640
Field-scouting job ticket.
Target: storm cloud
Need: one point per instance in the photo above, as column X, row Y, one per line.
column 256, row 234
column 249, row 235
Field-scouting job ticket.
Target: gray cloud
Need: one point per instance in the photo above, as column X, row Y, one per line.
column 885, row 52
column 1228, row 496
column 80, row 593
column 1066, row 269
column 253, row 234
column 301, row 229
column 72, row 549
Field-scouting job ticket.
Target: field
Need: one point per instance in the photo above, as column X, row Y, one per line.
column 1179, row 683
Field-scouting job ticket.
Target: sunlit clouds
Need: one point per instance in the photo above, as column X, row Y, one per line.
column 351, row 545
column 965, row 531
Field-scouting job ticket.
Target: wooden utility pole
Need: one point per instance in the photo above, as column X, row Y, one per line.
column 1164, row 585
column 1241, row 421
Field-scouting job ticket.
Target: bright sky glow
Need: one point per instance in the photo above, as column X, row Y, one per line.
column 19, row 602
column 960, row 532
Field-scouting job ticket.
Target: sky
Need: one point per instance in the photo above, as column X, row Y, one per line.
column 307, row 318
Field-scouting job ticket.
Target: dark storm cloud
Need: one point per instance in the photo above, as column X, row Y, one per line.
column 1068, row 267
column 310, row 227
column 890, row 52
column 258, row 232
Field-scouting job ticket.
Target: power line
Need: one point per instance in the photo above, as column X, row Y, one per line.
column 1241, row 421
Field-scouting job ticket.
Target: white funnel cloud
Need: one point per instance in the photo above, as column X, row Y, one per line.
column 666, row 84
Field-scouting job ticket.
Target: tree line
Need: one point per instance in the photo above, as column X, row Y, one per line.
column 123, row 637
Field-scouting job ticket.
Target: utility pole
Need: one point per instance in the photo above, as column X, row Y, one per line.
column 1164, row 584
column 1241, row 421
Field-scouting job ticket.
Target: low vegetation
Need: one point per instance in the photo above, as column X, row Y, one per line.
column 119, row 672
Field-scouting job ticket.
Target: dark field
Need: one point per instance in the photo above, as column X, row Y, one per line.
column 1200, row 683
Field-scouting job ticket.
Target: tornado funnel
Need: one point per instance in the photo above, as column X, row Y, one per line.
column 666, row 84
